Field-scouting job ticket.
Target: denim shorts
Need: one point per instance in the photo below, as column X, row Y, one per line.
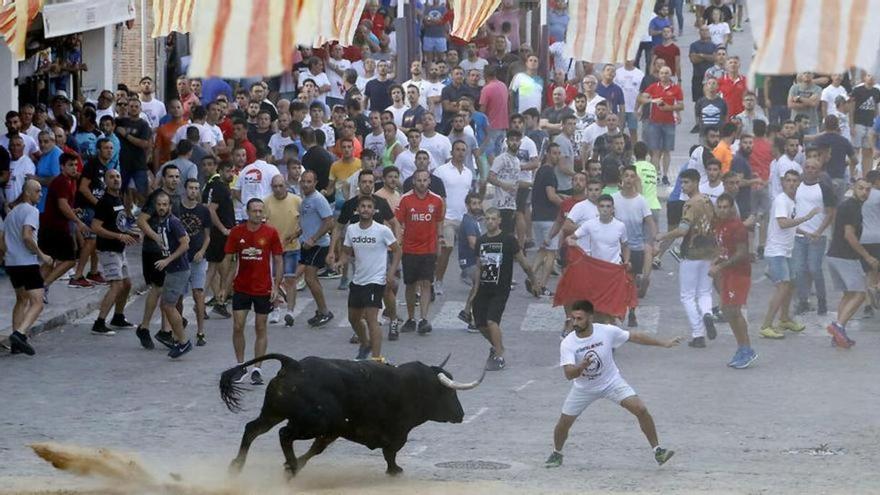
column 198, row 274
column 291, row 260
column 175, row 286
column 135, row 179
column 631, row 120
column 659, row 137
column 430, row 44
column 779, row 269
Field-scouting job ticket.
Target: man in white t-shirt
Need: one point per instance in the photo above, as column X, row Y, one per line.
column 255, row 180
column 830, row 93
column 336, row 66
column 586, row 356
column 433, row 142
column 785, row 162
column 457, row 180
column 713, row 187
column 777, row 253
column 629, row 78
column 368, row 243
column 810, row 241
column 632, row 209
column 604, row 237
column 20, row 167
column 583, row 210
column 152, row 107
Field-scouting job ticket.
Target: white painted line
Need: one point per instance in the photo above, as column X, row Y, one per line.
column 418, row 450
column 543, row 317
column 476, row 415
column 446, row 315
column 649, row 319
column 190, row 405
column 524, row 385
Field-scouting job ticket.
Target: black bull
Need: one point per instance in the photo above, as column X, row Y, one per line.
column 368, row 403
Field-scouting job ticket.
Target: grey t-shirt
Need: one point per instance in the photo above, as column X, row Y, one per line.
column 566, row 148
column 17, row 254
column 313, row 210
column 871, row 218
column 188, row 170
column 806, row 93
column 632, row 212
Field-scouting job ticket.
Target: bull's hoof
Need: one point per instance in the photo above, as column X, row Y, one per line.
column 235, row 466
column 290, row 471
column 394, row 470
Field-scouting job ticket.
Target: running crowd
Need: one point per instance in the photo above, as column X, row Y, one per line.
column 243, row 192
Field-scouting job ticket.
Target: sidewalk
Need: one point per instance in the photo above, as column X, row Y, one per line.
column 65, row 303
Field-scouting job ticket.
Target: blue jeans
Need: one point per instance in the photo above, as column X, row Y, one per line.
column 807, row 258
column 676, row 6
column 779, row 114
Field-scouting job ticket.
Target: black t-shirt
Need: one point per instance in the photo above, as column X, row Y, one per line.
column 195, row 221
column 111, row 212
column 555, row 116
column 848, row 213
column 382, row 212
column 436, row 186
column 740, row 165
column 702, row 48
column 778, row 88
column 726, row 13
column 217, row 192
column 496, row 261
column 865, row 104
column 543, row 210
column 130, row 156
column 318, row 160
column 379, row 93
column 412, row 117
column 840, row 148
column 255, row 136
column 93, row 170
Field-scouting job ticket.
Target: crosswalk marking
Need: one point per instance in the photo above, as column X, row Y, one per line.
column 543, row 317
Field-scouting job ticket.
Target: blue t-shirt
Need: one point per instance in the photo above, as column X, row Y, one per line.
column 86, row 143
column 613, row 94
column 480, row 124
column 435, row 13
column 313, row 210
column 676, row 189
column 49, row 165
column 113, row 164
column 470, row 226
column 657, row 24
column 171, row 229
column 877, row 133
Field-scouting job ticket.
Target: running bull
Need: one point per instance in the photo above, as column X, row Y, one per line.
column 368, row 403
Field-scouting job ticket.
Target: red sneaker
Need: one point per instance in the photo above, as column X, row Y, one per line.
column 80, row 283
column 839, row 337
column 96, row 278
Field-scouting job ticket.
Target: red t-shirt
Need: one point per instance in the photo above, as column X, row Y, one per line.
column 61, row 187
column 419, row 219
column 729, row 233
column 566, row 206
column 733, row 90
column 570, row 92
column 79, row 162
column 250, row 150
column 254, row 250
column 671, row 95
column 493, row 102
column 761, row 157
column 668, row 54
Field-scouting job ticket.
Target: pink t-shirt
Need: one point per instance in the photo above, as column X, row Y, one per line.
column 493, row 102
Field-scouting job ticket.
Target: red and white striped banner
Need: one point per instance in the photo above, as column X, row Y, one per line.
column 606, row 31
column 813, row 35
column 470, row 15
column 15, row 17
column 339, row 21
column 172, row 16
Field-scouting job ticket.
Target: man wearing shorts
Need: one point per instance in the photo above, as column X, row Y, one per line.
column 282, row 213
column 259, row 250
column 666, row 100
column 457, row 180
column 110, row 226
column 218, row 199
column 545, row 210
column 777, row 253
column 732, row 270
column 468, row 240
column 586, row 356
column 632, row 209
column 135, row 138
column 844, row 255
column 870, row 238
column 497, row 251
column 58, row 220
column 89, row 190
column 504, row 175
column 316, row 220
column 420, row 214
column 368, row 242
column 197, row 222
column 23, row 260
column 174, row 265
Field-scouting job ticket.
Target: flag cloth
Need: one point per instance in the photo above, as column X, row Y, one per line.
column 470, row 15
column 606, row 31
column 339, row 21
column 15, row 17
column 172, row 16
column 813, row 35
column 249, row 38
column 607, row 285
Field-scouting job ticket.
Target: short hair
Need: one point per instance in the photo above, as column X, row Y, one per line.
column 364, row 199
column 198, row 112
column 690, row 174
column 252, row 201
column 791, row 172
column 189, row 181
column 602, row 103
column 100, row 142
column 492, row 210
column 293, row 161
column 168, row 167
column 363, row 173
column 316, row 105
column 262, row 149
column 107, row 117
column 515, row 116
column 291, row 148
column 728, row 129
column 183, row 147
column 712, row 161
column 224, row 164
column 725, row 197
column 513, row 133
column 388, row 170
column 532, row 112
column 631, row 168
column 759, row 127
column 605, row 197
column 872, row 176
column 67, row 157
column 472, row 195
column 640, row 150
column 368, row 153
column 423, row 152
column 583, row 305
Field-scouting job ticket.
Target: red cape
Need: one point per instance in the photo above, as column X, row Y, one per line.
column 607, row 285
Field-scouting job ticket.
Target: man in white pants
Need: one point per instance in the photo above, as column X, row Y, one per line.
column 697, row 253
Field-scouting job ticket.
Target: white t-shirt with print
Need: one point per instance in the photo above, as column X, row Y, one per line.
column 154, row 110
column 255, row 181
column 780, row 242
column 712, row 192
column 602, row 240
column 599, row 347
column 370, row 248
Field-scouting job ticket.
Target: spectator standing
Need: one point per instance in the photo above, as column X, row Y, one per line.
column 804, row 99
column 629, row 78
column 666, row 100
column 865, row 104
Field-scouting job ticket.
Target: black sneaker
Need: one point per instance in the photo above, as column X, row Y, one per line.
column 211, row 302
column 201, row 339
column 822, row 308
column 165, row 338
column 465, row 317
column 697, row 343
column 99, row 328
column 119, row 321
column 323, row 319
column 180, row 349
column 144, row 335
column 221, row 310
column 718, row 315
column 709, row 321
column 409, row 326
column 288, row 320
column 802, row 307
column 18, row 344
column 424, row 327
column 869, row 311
column 354, row 339
column 328, row 274
column 631, row 320
column 663, row 455
column 433, row 294
column 394, row 330
column 256, row 377
column 665, row 180
column 495, row 363
column 240, row 375
column 311, row 321
column 363, row 353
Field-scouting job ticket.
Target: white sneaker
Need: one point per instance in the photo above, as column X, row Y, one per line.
column 275, row 317
column 438, row 287
column 301, row 284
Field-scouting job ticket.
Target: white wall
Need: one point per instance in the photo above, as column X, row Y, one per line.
column 97, row 50
column 8, row 89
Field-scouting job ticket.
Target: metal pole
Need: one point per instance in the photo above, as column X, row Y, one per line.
column 143, row 38
column 402, row 30
column 543, row 48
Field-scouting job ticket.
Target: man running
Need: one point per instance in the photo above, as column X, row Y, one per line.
column 197, row 221
column 173, row 263
column 368, row 242
column 282, row 213
column 316, row 220
column 586, row 356
column 218, row 199
column 255, row 244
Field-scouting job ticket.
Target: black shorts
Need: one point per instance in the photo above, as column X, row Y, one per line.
column 152, row 276
column 315, row 256
column 522, row 199
column 489, row 305
column 637, row 262
column 244, row 302
column 216, row 247
column 673, row 214
column 418, row 267
column 60, row 245
column 365, row 296
column 873, row 250
column 25, row 277
column 508, row 221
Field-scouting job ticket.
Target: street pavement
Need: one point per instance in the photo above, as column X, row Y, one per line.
column 801, row 420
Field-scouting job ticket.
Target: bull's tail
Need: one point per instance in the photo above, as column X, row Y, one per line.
column 230, row 392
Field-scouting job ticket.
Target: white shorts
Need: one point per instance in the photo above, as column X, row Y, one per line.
column 579, row 398
column 861, row 136
column 541, row 232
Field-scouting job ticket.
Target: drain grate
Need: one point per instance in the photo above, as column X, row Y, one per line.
column 821, row 450
column 473, row 465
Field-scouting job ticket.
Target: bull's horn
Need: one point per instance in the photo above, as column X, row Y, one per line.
column 445, row 360
column 454, row 385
